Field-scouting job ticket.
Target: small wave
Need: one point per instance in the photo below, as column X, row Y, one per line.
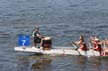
column 77, row 31
column 4, row 35
column 102, row 26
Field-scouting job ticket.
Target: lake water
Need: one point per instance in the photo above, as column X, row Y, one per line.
column 63, row 20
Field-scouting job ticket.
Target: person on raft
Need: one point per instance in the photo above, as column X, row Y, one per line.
column 36, row 37
column 81, row 43
column 96, row 42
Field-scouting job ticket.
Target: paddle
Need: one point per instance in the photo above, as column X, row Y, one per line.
column 104, row 45
column 76, row 48
column 90, row 45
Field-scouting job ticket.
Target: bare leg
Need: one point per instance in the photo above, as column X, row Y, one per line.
column 41, row 44
column 34, row 44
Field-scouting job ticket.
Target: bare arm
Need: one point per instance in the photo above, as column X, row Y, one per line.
column 78, row 42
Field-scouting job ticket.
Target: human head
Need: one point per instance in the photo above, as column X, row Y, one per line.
column 37, row 29
column 81, row 37
column 96, row 38
column 106, row 40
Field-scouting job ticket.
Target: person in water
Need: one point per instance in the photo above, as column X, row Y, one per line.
column 96, row 44
column 37, row 37
column 81, row 43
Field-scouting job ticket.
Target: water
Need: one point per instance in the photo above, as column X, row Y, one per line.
column 63, row 20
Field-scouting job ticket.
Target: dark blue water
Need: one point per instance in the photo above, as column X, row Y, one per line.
column 63, row 20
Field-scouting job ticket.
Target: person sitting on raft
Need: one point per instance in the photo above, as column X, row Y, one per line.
column 96, row 44
column 106, row 43
column 105, row 51
column 81, row 43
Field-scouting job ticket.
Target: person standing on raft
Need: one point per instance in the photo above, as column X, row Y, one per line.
column 37, row 37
